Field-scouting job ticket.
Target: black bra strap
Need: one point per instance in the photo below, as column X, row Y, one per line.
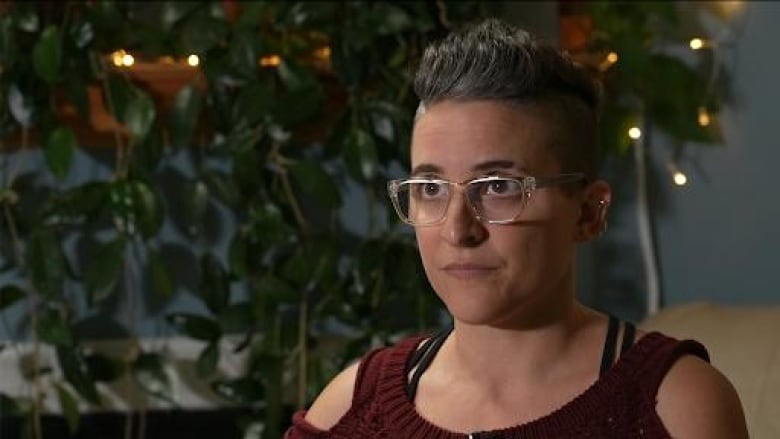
column 425, row 360
column 608, row 354
column 629, row 332
column 418, row 353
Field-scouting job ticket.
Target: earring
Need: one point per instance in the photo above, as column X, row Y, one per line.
column 604, row 204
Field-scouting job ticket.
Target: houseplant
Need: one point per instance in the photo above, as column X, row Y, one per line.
column 226, row 183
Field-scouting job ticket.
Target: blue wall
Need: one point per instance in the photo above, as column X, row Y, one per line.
column 719, row 236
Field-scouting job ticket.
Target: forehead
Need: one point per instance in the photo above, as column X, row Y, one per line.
column 457, row 136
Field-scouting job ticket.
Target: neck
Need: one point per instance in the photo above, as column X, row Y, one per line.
column 495, row 355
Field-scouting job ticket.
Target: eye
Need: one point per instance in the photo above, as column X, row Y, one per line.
column 432, row 190
column 501, row 187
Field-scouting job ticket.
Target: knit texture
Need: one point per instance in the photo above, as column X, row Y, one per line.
column 620, row 404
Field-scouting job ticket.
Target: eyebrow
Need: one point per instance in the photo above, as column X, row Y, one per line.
column 489, row 165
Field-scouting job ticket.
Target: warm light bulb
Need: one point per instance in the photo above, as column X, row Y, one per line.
column 634, row 133
column 696, row 43
column 679, row 178
column 128, row 60
column 704, row 117
column 193, row 60
column 116, row 57
column 323, row 52
column 270, row 61
column 612, row 57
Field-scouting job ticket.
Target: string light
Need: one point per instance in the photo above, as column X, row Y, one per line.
column 193, row 60
column 270, row 61
column 696, row 43
column 612, row 57
column 117, row 56
column 634, row 133
column 122, row 58
column 704, row 117
column 679, row 178
column 322, row 52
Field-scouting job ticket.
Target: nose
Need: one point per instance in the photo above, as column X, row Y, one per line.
column 461, row 226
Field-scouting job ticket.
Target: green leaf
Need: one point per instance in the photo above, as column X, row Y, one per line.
column 214, row 284
column 47, row 55
column 104, row 368
column 59, row 151
column 69, row 406
column 222, row 187
column 82, row 33
column 162, row 284
column 236, row 318
column 79, row 205
column 139, row 114
column 149, row 372
column 361, row 155
column 46, row 263
column 269, row 226
column 100, row 327
column 201, row 34
column 238, row 255
column 105, row 269
column 316, row 183
column 76, row 91
column 9, row 295
column 392, row 20
column 184, row 115
column 118, row 94
column 147, row 208
column 77, row 373
column 244, row 52
column 207, row 360
column 8, row 406
column 298, row 106
column 294, row 76
column 197, row 327
column 241, row 390
column 53, row 329
column 173, row 12
column 273, row 289
column 197, row 201
column 254, row 103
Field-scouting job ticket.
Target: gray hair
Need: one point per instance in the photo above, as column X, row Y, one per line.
column 492, row 60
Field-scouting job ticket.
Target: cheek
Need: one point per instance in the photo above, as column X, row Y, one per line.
column 426, row 242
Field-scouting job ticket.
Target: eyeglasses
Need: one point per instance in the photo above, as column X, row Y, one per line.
column 493, row 199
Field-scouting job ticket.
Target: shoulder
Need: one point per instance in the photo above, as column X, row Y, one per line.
column 695, row 400
column 356, row 383
column 335, row 399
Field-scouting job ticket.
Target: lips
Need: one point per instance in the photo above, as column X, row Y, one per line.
column 468, row 270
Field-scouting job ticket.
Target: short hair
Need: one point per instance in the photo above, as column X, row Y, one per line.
column 493, row 60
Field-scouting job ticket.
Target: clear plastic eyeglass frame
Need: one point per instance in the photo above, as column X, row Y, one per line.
column 523, row 188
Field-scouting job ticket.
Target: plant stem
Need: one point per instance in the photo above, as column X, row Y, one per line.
column 35, row 388
column 303, row 351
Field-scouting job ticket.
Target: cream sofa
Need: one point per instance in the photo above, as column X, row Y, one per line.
column 744, row 344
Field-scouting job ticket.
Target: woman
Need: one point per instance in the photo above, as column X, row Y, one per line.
column 503, row 187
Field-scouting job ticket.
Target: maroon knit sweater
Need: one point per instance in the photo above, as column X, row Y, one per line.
column 620, row 404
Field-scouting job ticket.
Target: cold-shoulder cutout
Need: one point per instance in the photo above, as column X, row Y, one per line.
column 335, row 400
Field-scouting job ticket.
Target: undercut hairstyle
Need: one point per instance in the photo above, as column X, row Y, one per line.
column 493, row 60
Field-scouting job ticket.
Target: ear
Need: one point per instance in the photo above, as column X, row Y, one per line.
column 593, row 211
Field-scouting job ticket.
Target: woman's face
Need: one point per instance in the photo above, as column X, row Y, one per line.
column 495, row 273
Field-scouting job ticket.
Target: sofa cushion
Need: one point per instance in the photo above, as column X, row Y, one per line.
column 744, row 344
